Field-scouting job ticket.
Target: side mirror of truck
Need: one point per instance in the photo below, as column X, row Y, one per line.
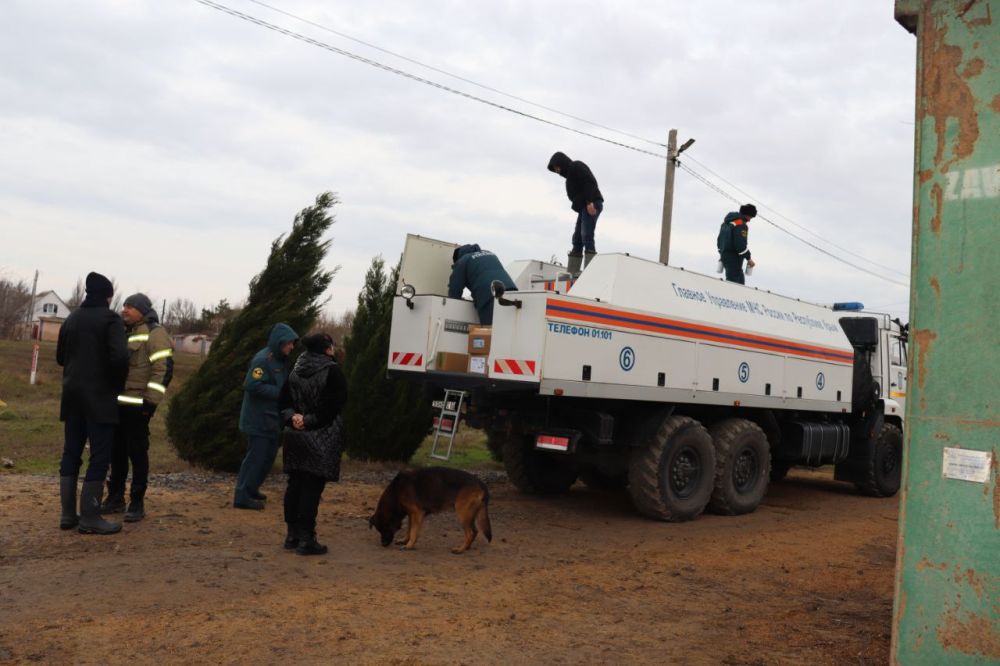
column 498, row 291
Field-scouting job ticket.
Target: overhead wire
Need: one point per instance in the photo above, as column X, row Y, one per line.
column 374, row 63
column 793, row 222
column 729, row 196
column 454, row 76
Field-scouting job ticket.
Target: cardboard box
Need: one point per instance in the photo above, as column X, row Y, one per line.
column 451, row 362
column 479, row 339
column 478, row 364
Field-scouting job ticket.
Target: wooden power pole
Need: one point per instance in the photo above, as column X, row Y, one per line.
column 668, row 192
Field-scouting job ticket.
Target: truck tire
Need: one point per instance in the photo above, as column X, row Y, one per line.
column 742, row 466
column 670, row 478
column 534, row 472
column 884, row 469
column 595, row 479
column 495, row 442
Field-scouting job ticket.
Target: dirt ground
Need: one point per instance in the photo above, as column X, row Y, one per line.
column 807, row 579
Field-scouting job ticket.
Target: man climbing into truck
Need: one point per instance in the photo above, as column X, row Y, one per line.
column 476, row 269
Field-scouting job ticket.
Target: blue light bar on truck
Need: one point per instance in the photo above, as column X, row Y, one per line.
column 853, row 305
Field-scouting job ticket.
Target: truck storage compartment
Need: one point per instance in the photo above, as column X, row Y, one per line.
column 813, row 444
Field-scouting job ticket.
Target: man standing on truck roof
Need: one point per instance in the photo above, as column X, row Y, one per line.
column 732, row 242
column 476, row 269
column 587, row 201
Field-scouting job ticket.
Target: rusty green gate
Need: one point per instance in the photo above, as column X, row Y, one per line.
column 948, row 562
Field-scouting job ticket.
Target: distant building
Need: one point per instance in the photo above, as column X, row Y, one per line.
column 193, row 343
column 47, row 317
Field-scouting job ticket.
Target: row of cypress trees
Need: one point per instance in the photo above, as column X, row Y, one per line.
column 384, row 420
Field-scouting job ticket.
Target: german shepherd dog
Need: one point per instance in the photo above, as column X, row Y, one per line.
column 421, row 492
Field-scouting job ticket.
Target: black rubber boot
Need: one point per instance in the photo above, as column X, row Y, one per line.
column 136, row 508
column 588, row 257
column 573, row 265
column 292, row 540
column 257, row 495
column 309, row 546
column 67, row 496
column 114, row 502
column 90, row 511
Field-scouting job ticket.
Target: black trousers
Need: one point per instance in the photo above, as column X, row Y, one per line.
column 302, row 499
column 78, row 429
column 734, row 268
column 131, row 444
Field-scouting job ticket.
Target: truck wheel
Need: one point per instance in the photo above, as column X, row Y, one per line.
column 495, row 442
column 535, row 472
column 884, row 468
column 670, row 478
column 742, row 466
column 598, row 480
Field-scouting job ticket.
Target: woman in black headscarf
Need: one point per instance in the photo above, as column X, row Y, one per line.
column 310, row 403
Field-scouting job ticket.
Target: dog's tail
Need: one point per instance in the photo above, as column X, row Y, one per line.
column 483, row 517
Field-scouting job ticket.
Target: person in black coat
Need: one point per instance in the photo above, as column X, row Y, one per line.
column 586, row 201
column 93, row 352
column 310, row 403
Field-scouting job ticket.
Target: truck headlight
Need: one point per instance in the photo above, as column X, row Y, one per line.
column 408, row 292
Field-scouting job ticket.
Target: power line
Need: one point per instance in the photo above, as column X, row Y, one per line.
column 729, row 196
column 374, row 63
column 455, row 76
column 793, row 222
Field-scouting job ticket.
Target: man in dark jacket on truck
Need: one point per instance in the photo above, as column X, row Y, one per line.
column 732, row 242
column 94, row 356
column 259, row 415
column 476, row 269
column 587, row 202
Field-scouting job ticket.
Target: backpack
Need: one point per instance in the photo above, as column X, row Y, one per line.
column 725, row 240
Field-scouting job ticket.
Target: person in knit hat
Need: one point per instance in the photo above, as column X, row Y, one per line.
column 93, row 353
column 150, row 368
column 310, row 405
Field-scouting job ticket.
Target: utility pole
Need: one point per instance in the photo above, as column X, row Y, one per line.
column 163, row 311
column 668, row 192
column 31, row 307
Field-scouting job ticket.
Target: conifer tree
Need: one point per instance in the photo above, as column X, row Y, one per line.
column 203, row 421
column 385, row 419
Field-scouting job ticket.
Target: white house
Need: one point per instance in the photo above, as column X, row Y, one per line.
column 48, row 315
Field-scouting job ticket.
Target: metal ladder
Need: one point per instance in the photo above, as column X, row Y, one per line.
column 450, row 397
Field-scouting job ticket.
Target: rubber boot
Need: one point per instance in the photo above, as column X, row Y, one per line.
column 258, row 496
column 114, row 502
column 573, row 263
column 309, row 546
column 136, row 508
column 292, row 540
column 67, row 496
column 588, row 257
column 90, row 511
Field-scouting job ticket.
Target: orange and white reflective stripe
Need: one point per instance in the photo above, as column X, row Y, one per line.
column 157, row 387
column 509, row 366
column 407, row 358
column 163, row 353
column 129, row 400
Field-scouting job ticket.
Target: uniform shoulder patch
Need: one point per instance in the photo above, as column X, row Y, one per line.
column 257, row 373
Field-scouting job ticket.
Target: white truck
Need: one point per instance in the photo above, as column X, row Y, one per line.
column 691, row 391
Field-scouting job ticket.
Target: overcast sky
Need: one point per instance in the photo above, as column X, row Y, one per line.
column 166, row 143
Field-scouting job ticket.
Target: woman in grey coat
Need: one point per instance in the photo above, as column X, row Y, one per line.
column 310, row 402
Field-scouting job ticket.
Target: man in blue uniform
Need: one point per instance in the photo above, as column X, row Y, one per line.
column 259, row 417
column 476, row 269
column 732, row 242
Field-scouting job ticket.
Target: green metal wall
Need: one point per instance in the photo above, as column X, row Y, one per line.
column 948, row 561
